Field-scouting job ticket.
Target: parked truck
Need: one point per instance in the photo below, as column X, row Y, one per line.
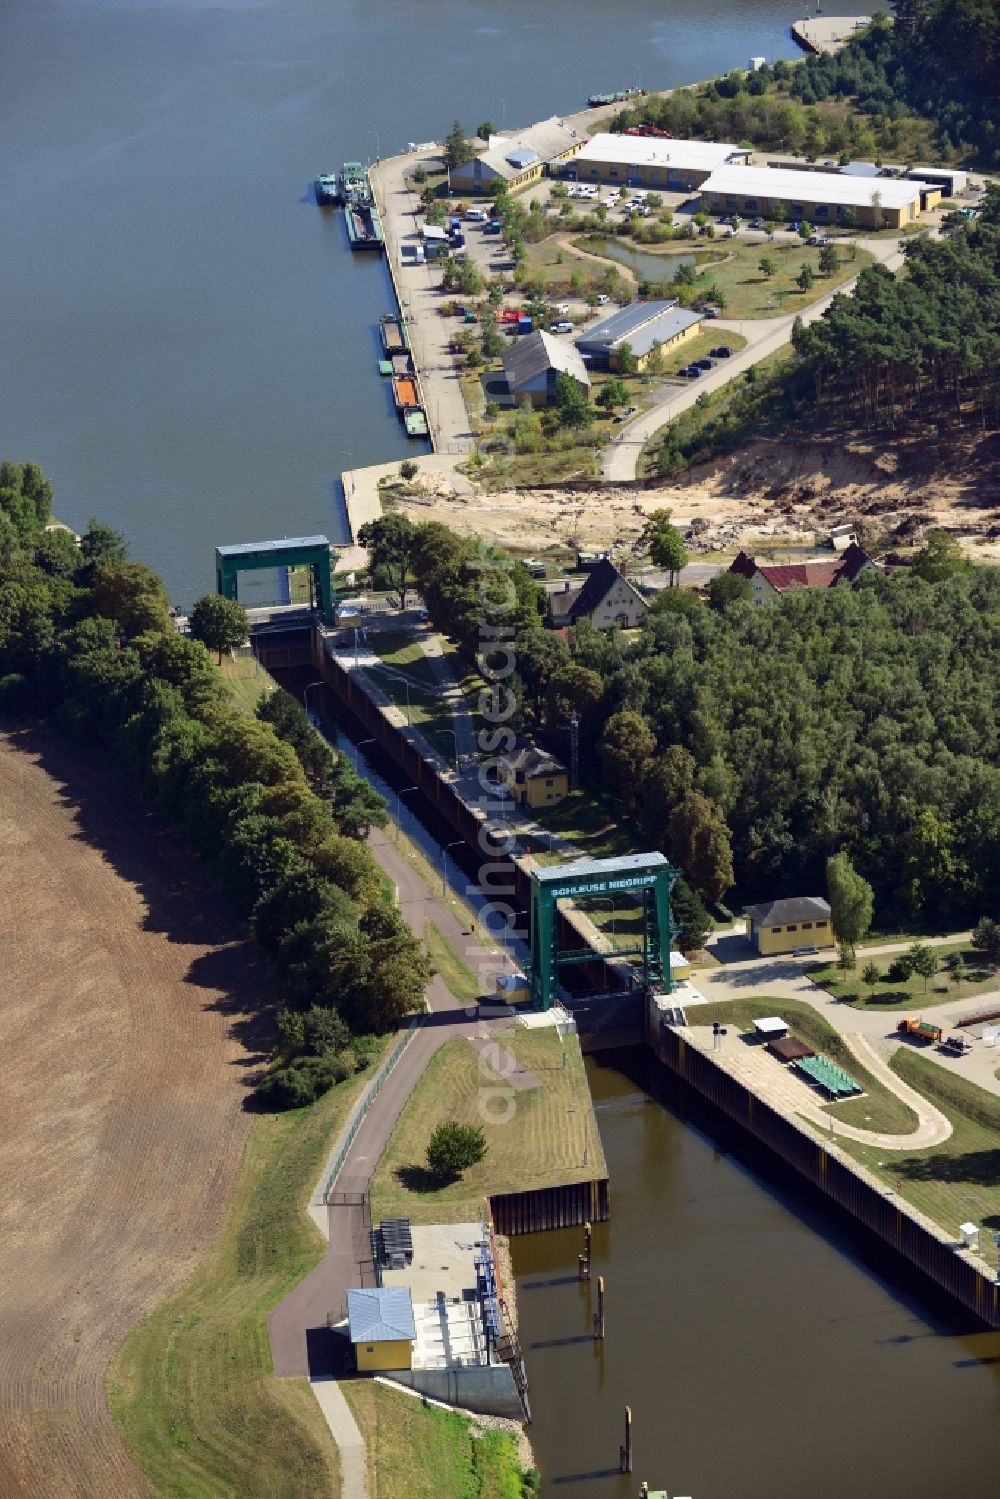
column 921, row 1030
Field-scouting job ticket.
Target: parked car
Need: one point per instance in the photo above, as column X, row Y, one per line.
column 476, row 215
column 603, row 299
column 706, row 363
column 795, row 226
column 756, row 223
column 563, row 309
column 563, row 326
column 722, row 352
column 693, row 371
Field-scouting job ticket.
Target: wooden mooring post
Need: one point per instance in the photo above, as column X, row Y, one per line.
column 583, row 1260
column 599, row 1314
column 625, row 1451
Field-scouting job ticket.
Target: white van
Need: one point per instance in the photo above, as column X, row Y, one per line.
column 477, row 215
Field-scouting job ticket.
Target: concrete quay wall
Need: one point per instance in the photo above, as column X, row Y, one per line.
column 914, row 1238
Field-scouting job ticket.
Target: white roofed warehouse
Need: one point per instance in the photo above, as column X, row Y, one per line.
column 818, row 197
column 651, row 162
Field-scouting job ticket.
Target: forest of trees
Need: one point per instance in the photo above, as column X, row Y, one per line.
column 277, row 817
column 921, row 83
column 750, row 744
column 938, row 58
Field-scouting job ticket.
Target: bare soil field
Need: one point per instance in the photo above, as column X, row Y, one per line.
column 129, row 1014
column 782, row 492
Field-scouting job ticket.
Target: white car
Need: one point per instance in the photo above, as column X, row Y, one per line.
column 603, row 299
column 563, row 326
column 477, row 215
column 562, row 309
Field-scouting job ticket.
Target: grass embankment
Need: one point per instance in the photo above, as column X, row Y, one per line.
column 536, row 1136
column 582, row 819
column 413, row 1451
column 409, row 683
column 701, row 346
column 192, row 1388
column 721, row 419
column 880, row 1110
column 246, row 679
column 981, row 977
column 958, row 1181
column 459, row 978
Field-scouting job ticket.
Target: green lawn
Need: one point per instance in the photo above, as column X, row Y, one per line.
column 246, row 679
column 459, row 978
column 537, row 1136
column 880, row 1110
column 909, row 994
column 956, row 1182
column 418, row 1452
column 192, row 1389
column 702, row 345
column 585, row 822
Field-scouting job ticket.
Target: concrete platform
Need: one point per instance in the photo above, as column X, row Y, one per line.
column 827, row 33
column 444, row 1257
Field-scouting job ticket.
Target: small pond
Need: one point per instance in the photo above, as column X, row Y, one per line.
column 648, row 265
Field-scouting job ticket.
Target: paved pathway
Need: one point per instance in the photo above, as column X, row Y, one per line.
column 346, row 1434
column 300, row 1344
column 791, row 1094
column 746, row 977
column 764, row 336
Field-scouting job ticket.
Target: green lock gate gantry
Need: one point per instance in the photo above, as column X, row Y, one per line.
column 293, row 551
column 649, row 875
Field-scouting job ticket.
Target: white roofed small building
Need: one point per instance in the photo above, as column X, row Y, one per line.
column 533, row 363
column 818, row 197
column 641, row 325
column 517, row 160
column 380, row 1324
column 649, row 161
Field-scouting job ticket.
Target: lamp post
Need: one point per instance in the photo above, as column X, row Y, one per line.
column 399, row 795
column 378, row 151
column 454, row 736
column 360, row 745
column 614, row 914
column 444, row 858
column 306, row 691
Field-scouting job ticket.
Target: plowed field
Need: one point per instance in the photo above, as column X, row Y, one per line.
column 127, row 1020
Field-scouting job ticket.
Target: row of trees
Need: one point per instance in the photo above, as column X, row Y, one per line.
column 86, row 641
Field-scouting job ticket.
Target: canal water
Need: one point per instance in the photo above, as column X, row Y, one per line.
column 763, row 1351
column 189, row 345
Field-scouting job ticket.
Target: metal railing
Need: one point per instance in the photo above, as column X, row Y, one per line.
column 365, row 1102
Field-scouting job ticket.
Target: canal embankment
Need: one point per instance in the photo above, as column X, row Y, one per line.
column 945, row 1260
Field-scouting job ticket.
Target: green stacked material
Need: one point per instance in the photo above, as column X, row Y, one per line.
column 831, row 1078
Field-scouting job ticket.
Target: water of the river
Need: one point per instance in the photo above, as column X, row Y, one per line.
column 188, row 345
column 761, row 1357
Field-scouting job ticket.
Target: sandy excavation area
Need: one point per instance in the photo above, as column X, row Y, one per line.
column 125, row 1022
column 766, row 494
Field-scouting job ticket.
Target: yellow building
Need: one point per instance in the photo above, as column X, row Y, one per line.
column 381, row 1327
column 516, row 161
column 781, row 926
column 820, row 198
column 533, row 777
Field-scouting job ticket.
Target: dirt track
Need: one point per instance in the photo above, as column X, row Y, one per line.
column 126, row 1031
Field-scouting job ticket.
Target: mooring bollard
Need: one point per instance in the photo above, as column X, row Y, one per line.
column 625, row 1456
column 584, row 1258
column 599, row 1314
column 644, row 1490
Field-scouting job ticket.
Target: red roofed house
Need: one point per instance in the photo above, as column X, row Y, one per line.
column 769, row 581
